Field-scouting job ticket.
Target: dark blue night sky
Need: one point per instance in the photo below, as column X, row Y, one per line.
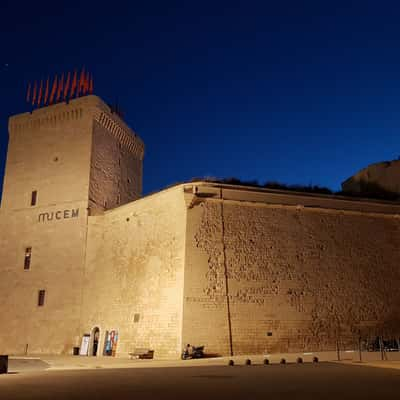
column 298, row 92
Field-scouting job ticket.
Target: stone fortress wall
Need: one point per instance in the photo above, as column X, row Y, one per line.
column 54, row 151
column 116, row 162
column 301, row 272
column 48, row 152
column 134, row 274
column 236, row 269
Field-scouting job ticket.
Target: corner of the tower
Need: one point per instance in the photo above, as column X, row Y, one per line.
column 116, row 168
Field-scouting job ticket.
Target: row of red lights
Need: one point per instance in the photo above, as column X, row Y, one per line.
column 73, row 86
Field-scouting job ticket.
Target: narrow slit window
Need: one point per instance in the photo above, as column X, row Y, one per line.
column 28, row 255
column 34, row 198
column 41, row 297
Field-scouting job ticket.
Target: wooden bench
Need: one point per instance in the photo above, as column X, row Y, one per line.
column 142, row 354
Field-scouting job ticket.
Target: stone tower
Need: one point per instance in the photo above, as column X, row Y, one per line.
column 64, row 162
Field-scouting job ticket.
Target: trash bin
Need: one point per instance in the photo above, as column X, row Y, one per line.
column 3, row 364
column 75, row 351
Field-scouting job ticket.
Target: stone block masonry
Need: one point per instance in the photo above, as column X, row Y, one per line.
column 299, row 279
column 58, row 172
column 134, row 274
column 237, row 269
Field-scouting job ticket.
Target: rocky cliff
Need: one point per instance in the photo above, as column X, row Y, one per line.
column 380, row 177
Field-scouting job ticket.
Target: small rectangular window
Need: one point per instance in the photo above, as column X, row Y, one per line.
column 34, row 198
column 28, row 255
column 42, row 293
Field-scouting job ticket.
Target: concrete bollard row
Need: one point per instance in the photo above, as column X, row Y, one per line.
column 299, row 360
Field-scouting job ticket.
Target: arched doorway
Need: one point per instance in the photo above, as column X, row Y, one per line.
column 95, row 340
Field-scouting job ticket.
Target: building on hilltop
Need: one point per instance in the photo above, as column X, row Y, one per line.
column 382, row 177
column 238, row 269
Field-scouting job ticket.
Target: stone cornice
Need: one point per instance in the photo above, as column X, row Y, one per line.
column 75, row 110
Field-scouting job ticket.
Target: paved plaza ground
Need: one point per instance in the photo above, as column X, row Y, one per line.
column 59, row 378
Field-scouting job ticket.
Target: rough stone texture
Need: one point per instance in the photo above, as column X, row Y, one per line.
column 51, row 151
column 385, row 175
column 308, row 276
column 225, row 266
column 135, row 263
column 116, row 170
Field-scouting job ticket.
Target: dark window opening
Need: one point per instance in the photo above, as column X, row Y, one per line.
column 28, row 255
column 42, row 293
column 34, row 198
column 136, row 318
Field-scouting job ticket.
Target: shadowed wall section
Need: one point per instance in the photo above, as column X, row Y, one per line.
column 116, row 163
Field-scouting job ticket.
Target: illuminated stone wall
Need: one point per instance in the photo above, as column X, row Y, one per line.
column 116, row 165
column 135, row 263
column 49, row 151
column 225, row 266
column 299, row 278
column 54, row 151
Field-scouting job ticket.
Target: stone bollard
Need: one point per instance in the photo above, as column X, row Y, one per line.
column 315, row 359
column 266, row 361
column 3, row 364
column 299, row 360
column 231, row 363
column 248, row 362
column 283, row 361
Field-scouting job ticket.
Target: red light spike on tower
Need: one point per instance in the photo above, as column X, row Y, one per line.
column 91, row 87
column 73, row 86
column 53, row 90
column 40, row 93
column 60, row 87
column 46, row 92
column 66, row 87
column 28, row 93
column 87, row 78
column 81, row 81
column 34, row 93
